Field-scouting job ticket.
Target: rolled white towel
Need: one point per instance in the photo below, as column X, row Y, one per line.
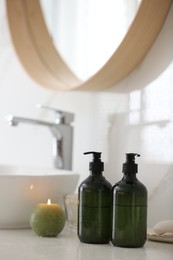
column 163, row 227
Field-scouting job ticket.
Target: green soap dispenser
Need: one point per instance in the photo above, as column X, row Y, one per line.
column 129, row 224
column 95, row 205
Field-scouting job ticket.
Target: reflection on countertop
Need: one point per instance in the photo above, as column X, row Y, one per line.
column 67, row 246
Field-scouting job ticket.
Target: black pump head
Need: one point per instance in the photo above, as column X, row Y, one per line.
column 130, row 166
column 96, row 165
column 130, row 157
column 96, row 155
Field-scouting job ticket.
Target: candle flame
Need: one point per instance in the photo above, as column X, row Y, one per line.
column 31, row 187
column 49, row 201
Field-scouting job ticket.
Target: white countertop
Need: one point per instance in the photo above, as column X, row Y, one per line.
column 26, row 245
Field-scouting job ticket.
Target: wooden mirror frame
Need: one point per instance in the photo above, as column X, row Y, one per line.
column 41, row 60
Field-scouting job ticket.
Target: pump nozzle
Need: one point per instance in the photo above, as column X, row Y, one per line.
column 130, row 157
column 96, row 164
column 130, row 165
column 96, row 155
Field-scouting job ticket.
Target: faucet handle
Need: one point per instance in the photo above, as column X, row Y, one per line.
column 60, row 116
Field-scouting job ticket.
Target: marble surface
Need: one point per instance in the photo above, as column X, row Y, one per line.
column 25, row 244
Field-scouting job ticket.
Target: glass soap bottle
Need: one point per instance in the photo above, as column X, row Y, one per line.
column 95, row 205
column 129, row 224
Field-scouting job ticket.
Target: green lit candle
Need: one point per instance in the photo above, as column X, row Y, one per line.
column 47, row 220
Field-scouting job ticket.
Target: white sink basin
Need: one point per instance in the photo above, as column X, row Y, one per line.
column 21, row 188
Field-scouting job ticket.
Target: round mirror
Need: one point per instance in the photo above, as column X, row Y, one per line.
column 86, row 33
column 43, row 62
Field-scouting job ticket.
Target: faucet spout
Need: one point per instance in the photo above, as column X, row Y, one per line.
column 62, row 139
column 14, row 121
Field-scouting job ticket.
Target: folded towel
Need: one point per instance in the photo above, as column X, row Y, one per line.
column 164, row 228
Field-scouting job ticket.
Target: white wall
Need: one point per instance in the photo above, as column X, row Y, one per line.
column 137, row 118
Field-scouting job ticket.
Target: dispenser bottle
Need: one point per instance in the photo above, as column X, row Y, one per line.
column 95, row 205
column 129, row 224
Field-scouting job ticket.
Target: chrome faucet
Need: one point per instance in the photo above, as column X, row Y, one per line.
column 62, row 132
